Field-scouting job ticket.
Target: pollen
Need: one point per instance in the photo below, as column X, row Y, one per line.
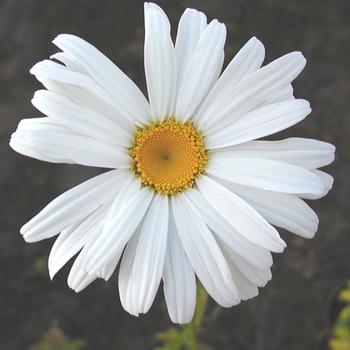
column 168, row 156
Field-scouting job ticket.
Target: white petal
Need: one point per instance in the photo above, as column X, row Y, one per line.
column 160, row 62
column 125, row 214
column 179, row 279
column 147, row 258
column 251, row 92
column 258, row 256
column 73, row 238
column 285, row 95
column 191, row 25
column 261, row 122
column 78, row 278
column 204, row 254
column 43, row 139
column 73, row 206
column 305, row 153
column 80, row 119
column 80, row 88
column 202, row 70
column 241, row 216
column 266, row 174
column 245, row 62
column 282, row 210
column 127, row 97
column 327, row 181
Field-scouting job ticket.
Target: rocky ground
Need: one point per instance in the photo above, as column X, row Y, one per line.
column 292, row 312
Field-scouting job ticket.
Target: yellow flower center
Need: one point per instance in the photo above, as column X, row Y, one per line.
column 168, row 156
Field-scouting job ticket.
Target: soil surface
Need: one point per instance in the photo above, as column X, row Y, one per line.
column 291, row 312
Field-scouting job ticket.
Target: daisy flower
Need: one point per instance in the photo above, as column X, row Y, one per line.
column 191, row 192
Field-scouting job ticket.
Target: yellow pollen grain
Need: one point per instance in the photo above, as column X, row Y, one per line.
column 168, row 156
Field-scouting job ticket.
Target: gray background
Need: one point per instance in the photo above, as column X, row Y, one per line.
column 294, row 310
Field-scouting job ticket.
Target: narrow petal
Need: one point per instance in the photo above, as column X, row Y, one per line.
column 127, row 97
column 257, row 88
column 204, row 254
column 282, row 210
column 202, row 70
column 179, row 279
column 256, row 255
column 327, row 181
column 147, row 259
column 73, row 238
column 73, row 206
column 248, row 60
column 80, row 88
column 191, row 25
column 44, row 139
column 261, row 122
column 81, row 120
column 160, row 62
column 241, row 216
column 305, row 153
column 286, row 94
column 266, row 174
column 125, row 214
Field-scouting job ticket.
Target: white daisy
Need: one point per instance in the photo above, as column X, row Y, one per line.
column 191, row 193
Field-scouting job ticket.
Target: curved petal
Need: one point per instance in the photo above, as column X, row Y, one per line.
column 160, row 62
column 327, row 181
column 125, row 214
column 146, row 260
column 80, row 88
column 251, row 92
column 286, row 94
column 127, row 97
column 282, row 210
column 305, row 153
column 241, row 216
column 266, row 174
column 73, row 206
column 73, row 238
column 248, row 60
column 179, row 279
column 202, row 70
column 204, row 254
column 256, row 255
column 261, row 122
column 191, row 25
column 81, row 120
column 44, row 139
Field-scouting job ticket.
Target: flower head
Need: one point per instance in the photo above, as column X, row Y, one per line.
column 191, row 192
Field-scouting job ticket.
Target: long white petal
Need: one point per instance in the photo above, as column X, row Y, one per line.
column 191, row 25
column 44, row 139
column 251, row 92
column 202, row 70
column 282, row 210
column 80, row 88
column 245, row 62
column 73, row 206
column 73, row 238
column 266, row 174
column 82, row 120
column 147, row 259
column 305, row 153
column 179, row 279
column 127, row 97
column 160, row 62
column 261, row 122
column 241, row 216
column 260, row 257
column 204, row 254
column 327, row 181
column 125, row 214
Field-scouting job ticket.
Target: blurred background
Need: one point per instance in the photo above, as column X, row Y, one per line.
column 298, row 308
